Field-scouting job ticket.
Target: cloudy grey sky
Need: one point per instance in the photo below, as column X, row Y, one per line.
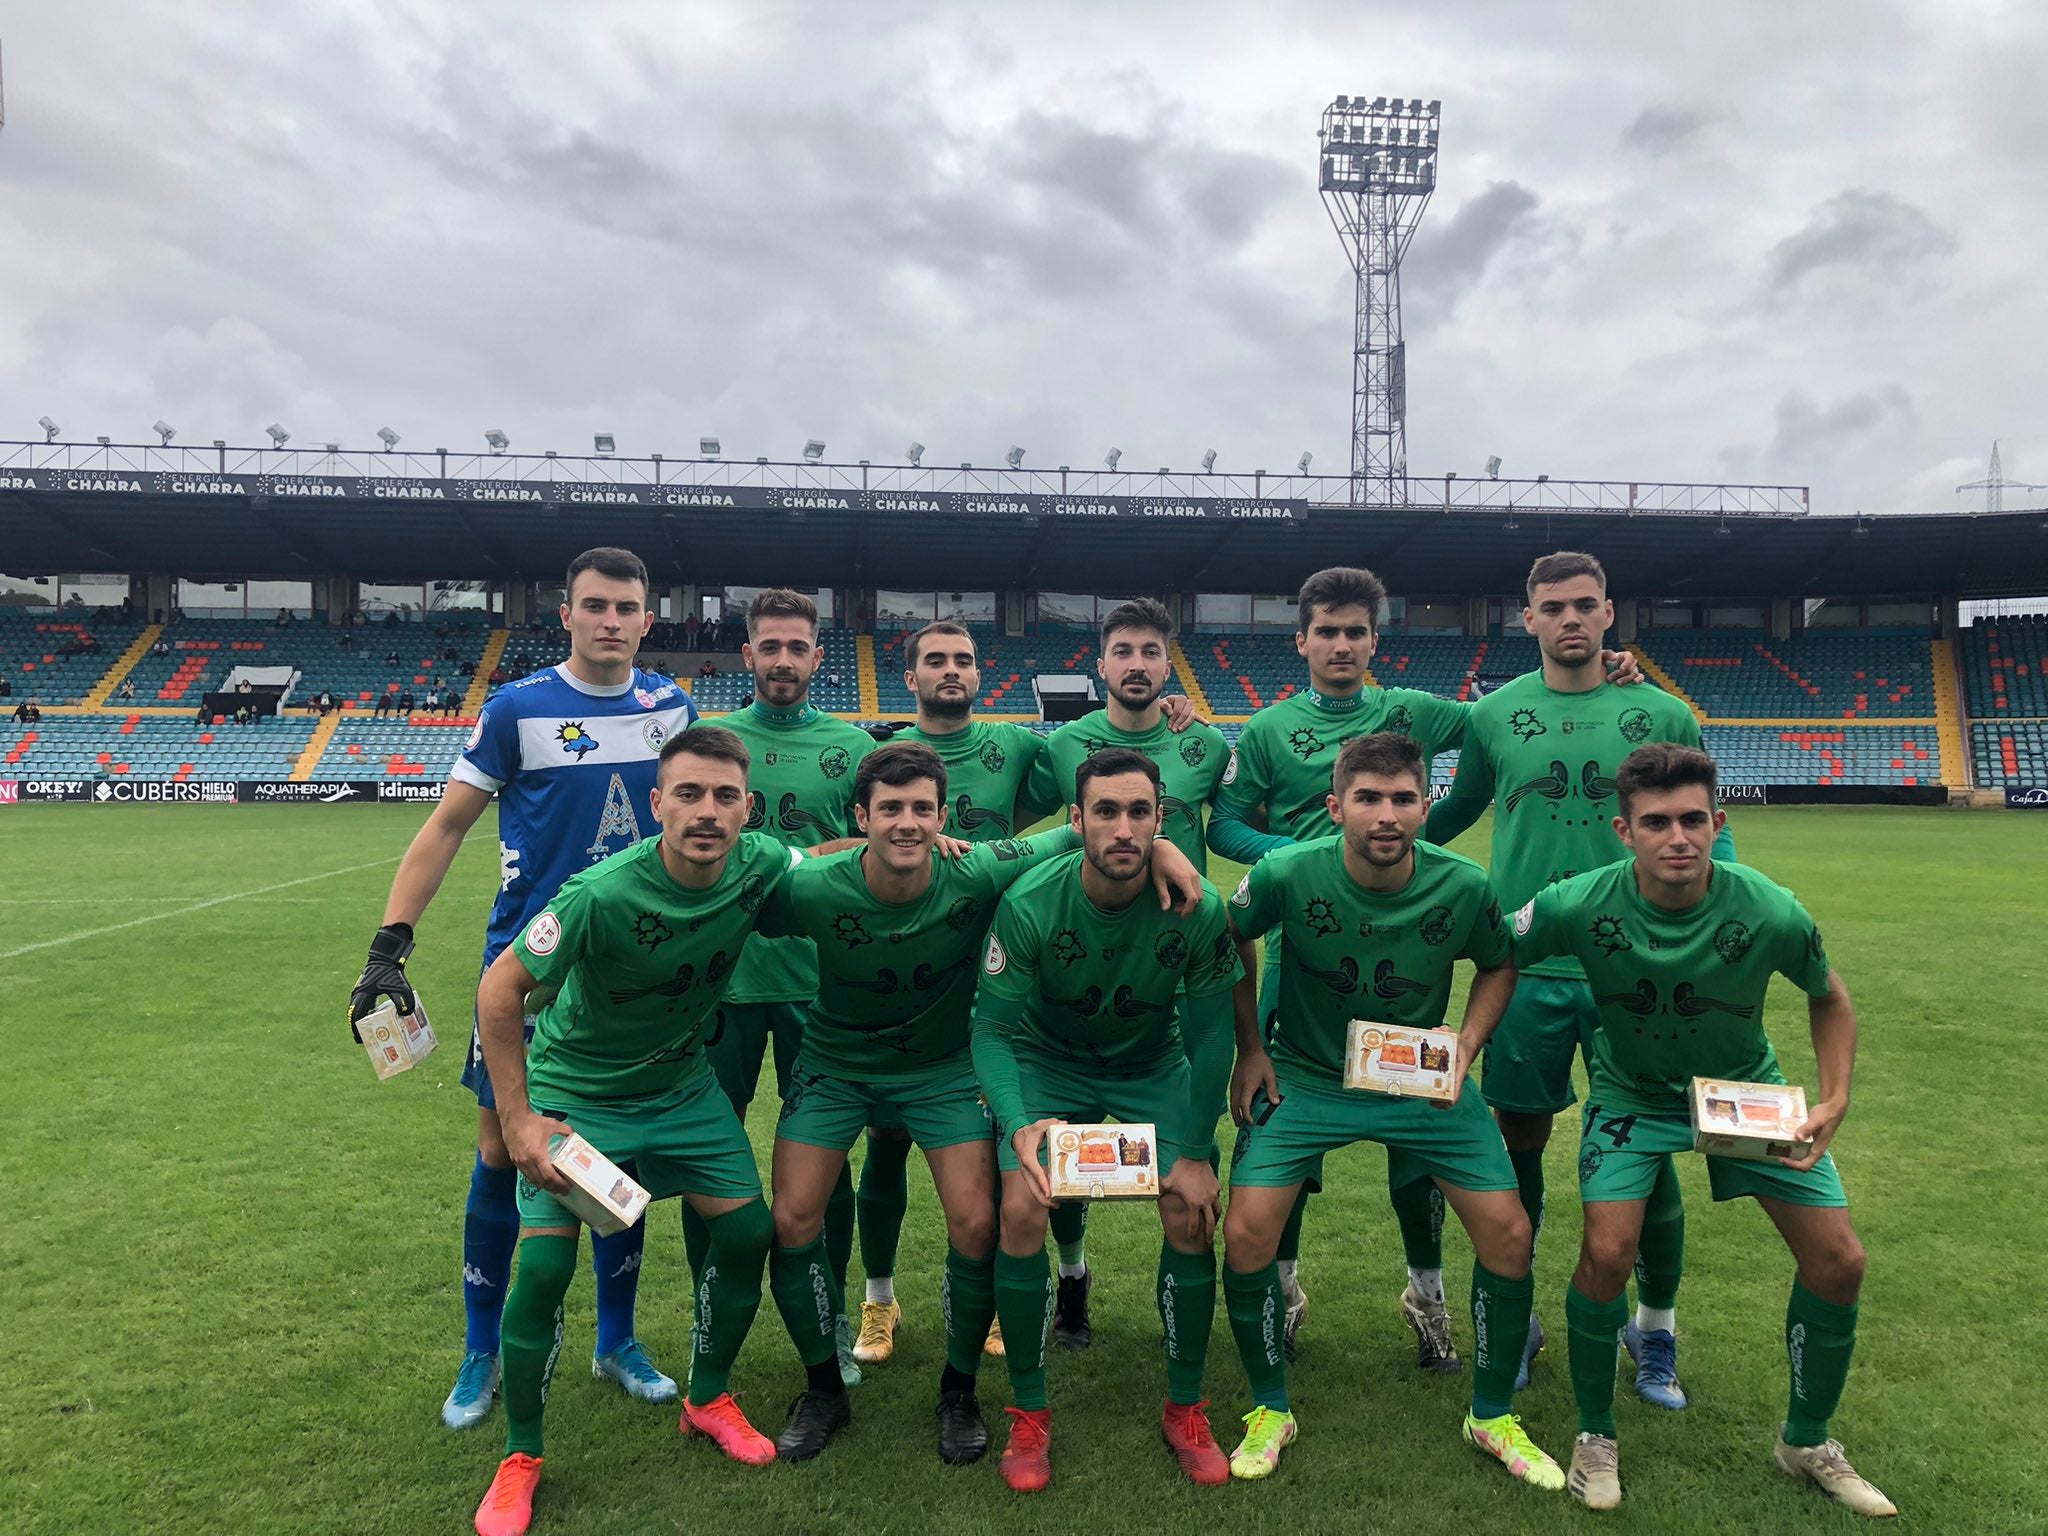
column 1741, row 241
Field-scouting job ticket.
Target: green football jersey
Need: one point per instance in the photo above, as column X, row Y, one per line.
column 895, row 992
column 1680, row 994
column 1350, row 953
column 1547, row 761
column 641, row 962
column 1191, row 767
column 1284, row 756
column 987, row 766
column 799, row 792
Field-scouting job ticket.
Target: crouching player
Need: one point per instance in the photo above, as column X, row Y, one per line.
column 1373, row 925
column 1075, row 1022
column 1679, row 949
column 640, row 946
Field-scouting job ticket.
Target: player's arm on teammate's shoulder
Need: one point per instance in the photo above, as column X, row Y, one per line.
column 1538, row 930
column 1622, row 668
column 500, row 1018
column 1179, row 712
column 1009, row 975
column 1471, row 792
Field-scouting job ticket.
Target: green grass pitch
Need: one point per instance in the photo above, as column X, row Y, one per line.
column 231, row 1256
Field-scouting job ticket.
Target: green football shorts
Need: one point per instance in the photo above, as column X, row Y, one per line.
column 739, row 1044
column 1620, row 1155
column 940, row 1109
column 1061, row 1090
column 1284, row 1143
column 1527, row 1067
column 685, row 1141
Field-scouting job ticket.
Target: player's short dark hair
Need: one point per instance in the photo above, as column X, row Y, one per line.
column 1663, row 765
column 914, row 646
column 1563, row 566
column 1387, row 754
column 712, row 741
column 1108, row 763
column 897, row 764
column 1138, row 613
column 607, row 560
column 1341, row 586
column 781, row 603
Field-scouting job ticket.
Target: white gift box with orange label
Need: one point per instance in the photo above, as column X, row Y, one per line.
column 1402, row 1062
column 1104, row 1162
column 397, row 1042
column 1751, row 1120
column 600, row 1194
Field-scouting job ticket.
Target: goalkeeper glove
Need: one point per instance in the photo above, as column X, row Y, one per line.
column 383, row 976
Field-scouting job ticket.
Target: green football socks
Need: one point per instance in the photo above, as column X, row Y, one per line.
column 1024, row 1303
column 728, row 1294
column 1660, row 1251
column 1595, row 1335
column 1529, row 1185
column 532, row 1336
column 1819, row 1339
column 1290, row 1235
column 1258, row 1320
column 839, row 1224
column 1187, row 1311
column 1419, row 1208
column 883, row 1199
column 969, row 1303
column 807, row 1298
column 1069, row 1223
column 1500, row 1325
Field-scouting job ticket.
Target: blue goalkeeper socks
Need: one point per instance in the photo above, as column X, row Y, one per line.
column 617, row 1262
column 490, row 1229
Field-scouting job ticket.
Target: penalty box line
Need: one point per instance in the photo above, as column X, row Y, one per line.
column 197, row 906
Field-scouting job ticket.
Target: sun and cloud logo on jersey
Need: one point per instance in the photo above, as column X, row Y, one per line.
column 1608, row 934
column 1304, row 743
column 962, row 913
column 1635, row 725
column 1320, row 914
column 1401, row 720
column 1732, row 941
column 993, row 757
column 833, row 762
column 1525, row 725
column 1067, row 947
column 651, row 930
column 575, row 739
column 848, row 929
column 1194, row 751
column 1438, row 924
column 1171, row 950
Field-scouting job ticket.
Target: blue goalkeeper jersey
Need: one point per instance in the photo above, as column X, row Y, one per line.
column 572, row 766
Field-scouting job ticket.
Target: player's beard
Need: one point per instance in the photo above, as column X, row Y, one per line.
column 785, row 690
column 952, row 711
column 1147, row 692
column 1556, row 657
column 1099, row 863
column 1373, row 854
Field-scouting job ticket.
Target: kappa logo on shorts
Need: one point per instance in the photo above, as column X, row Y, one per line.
column 995, row 960
column 543, row 934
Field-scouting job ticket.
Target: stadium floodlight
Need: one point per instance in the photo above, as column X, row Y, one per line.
column 1301, row 465
column 164, row 430
column 1209, row 461
column 605, row 444
column 1493, row 466
column 1015, row 457
column 278, row 436
column 1112, row 456
column 499, row 441
column 49, row 429
column 1543, row 479
column 707, row 448
column 388, row 438
column 915, row 453
column 105, row 441
column 332, row 447
column 814, row 449
column 220, row 442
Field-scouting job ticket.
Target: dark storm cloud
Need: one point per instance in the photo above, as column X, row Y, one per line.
column 1859, row 231
column 1451, row 258
column 1657, row 130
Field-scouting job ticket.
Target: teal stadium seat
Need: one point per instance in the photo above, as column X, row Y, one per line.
column 32, row 642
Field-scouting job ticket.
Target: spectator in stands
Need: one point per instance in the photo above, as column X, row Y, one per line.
column 177, row 615
column 74, row 601
column 128, row 690
column 451, row 703
column 243, row 686
column 498, row 675
column 832, row 678
column 391, row 659
column 27, row 712
column 405, row 702
column 127, row 609
column 709, row 669
column 326, row 702
column 449, row 653
column 384, row 702
column 284, row 618
column 433, row 704
column 747, row 699
column 242, row 715
column 345, row 641
column 441, row 628
column 691, row 628
column 469, row 666
column 161, row 648
column 6, row 689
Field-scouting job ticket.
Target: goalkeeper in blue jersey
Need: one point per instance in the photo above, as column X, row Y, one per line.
column 569, row 753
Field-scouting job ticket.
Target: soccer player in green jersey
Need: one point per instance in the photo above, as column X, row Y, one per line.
column 1679, row 949
column 1374, row 924
column 899, row 928
column 640, row 947
column 800, row 791
column 1077, row 1022
column 1544, row 749
column 1135, row 665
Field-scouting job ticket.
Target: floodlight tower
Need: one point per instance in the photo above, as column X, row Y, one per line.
column 1377, row 161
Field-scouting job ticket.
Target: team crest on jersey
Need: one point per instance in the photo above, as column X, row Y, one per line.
column 753, row 891
column 833, row 762
column 1193, row 751
column 654, row 733
column 1242, row 896
column 995, row 960
column 642, row 697
column 1401, row 720
column 993, row 758
column 575, row 740
column 1732, row 941
column 1230, row 768
column 1525, row 919
column 543, row 934
column 962, row 913
column 1171, row 950
column 476, row 736
column 1437, row 925
column 1635, row 725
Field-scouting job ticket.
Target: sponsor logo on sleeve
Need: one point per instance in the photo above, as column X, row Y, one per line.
column 543, row 934
column 1230, row 768
column 1525, row 919
column 1242, row 896
column 996, row 960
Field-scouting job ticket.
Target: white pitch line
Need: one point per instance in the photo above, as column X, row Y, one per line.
column 197, row 906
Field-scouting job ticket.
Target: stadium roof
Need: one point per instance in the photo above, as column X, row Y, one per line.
column 244, row 514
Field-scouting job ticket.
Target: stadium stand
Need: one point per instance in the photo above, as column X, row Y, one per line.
column 1745, row 675
column 357, row 674
column 2011, row 752
column 2005, row 667
column 153, row 747
column 421, row 748
column 33, row 642
column 1849, row 754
